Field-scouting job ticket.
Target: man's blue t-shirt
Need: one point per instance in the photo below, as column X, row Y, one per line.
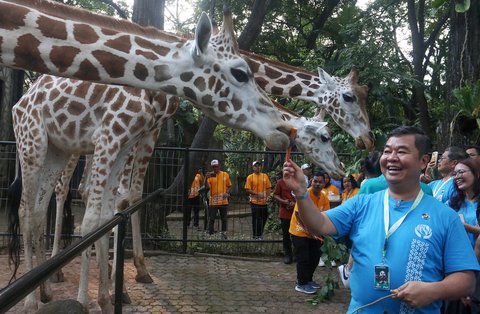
column 443, row 191
column 429, row 244
column 469, row 212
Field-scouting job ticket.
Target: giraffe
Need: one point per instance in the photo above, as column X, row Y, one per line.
column 342, row 98
column 58, row 101
column 219, row 82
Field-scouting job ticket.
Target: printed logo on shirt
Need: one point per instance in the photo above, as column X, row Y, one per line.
column 423, row 231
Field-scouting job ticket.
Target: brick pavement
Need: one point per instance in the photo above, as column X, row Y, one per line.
column 204, row 284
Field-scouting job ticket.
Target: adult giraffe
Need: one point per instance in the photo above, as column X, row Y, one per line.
column 216, row 80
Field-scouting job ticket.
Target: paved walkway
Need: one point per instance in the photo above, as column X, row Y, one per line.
column 204, row 284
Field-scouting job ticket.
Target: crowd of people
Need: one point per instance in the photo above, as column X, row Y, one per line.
column 410, row 221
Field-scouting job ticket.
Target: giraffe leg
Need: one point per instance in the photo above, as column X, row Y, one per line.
column 61, row 192
column 55, row 162
column 104, row 181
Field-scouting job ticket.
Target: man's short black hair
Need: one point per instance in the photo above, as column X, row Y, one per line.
column 456, row 153
column 422, row 141
column 475, row 147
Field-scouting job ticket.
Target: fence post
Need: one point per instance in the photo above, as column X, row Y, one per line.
column 122, row 227
column 186, row 187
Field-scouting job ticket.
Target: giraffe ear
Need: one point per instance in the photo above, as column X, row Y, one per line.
column 203, row 32
column 353, row 75
column 319, row 114
column 326, row 79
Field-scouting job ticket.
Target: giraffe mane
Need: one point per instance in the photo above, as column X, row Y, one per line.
column 81, row 15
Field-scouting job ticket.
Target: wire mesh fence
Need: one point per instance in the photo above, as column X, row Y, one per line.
column 164, row 224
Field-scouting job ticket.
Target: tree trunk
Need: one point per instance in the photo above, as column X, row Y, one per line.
column 149, row 13
column 463, row 62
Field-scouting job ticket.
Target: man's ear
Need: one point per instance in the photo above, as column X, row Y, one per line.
column 425, row 160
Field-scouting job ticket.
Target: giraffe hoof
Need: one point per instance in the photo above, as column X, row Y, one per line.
column 57, row 277
column 143, row 278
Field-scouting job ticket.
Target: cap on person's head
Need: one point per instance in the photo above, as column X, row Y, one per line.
column 306, row 166
column 215, row 163
column 256, row 162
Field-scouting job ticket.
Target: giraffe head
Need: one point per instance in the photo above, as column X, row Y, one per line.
column 314, row 140
column 345, row 101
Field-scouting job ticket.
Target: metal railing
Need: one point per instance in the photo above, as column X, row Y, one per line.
column 15, row 292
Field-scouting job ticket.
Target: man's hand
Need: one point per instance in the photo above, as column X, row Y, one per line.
column 415, row 293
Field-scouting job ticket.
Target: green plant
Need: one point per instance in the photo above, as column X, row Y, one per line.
column 332, row 251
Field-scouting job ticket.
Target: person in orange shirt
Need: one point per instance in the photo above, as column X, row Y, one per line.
column 259, row 187
column 350, row 187
column 193, row 201
column 307, row 248
column 219, row 184
column 332, row 191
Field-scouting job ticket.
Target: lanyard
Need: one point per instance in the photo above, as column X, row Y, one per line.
column 386, row 218
column 439, row 187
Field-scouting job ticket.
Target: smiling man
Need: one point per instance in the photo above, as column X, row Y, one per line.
column 418, row 243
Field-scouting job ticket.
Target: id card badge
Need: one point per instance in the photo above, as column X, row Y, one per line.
column 382, row 277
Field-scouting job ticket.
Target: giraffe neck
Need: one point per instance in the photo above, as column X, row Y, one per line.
column 207, row 70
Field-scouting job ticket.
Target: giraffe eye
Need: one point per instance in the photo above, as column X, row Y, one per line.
column 348, row 98
column 324, row 138
column 239, row 75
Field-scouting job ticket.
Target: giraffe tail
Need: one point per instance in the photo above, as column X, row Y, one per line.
column 13, row 204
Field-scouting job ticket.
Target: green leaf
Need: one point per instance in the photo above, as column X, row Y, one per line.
column 438, row 3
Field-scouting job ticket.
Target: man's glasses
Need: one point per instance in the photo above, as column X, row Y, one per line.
column 459, row 173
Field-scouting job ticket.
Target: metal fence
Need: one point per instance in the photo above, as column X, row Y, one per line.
column 163, row 224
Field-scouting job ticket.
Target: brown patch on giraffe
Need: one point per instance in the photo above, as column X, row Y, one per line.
column 295, row 90
column 223, row 106
column 9, row 19
column 216, row 67
column 162, row 73
column 200, row 83
column 52, row 28
column 121, row 43
column 277, row 90
column 84, row 34
column 62, row 56
column 108, row 32
column 76, row 108
column 272, row 73
column 117, row 129
column 237, row 103
column 87, row 71
column 125, row 118
column 81, row 90
column 162, row 51
column 97, row 93
column 254, row 66
column 211, row 82
column 261, row 82
column 134, row 106
column 69, row 130
column 218, row 86
column 113, row 64
column 146, row 54
column 140, row 72
column 241, row 119
column 27, row 55
column 304, row 76
column 60, row 103
column 186, row 77
column 286, row 80
column 111, row 94
column 190, row 93
column 53, row 94
column 207, row 100
column 170, row 89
